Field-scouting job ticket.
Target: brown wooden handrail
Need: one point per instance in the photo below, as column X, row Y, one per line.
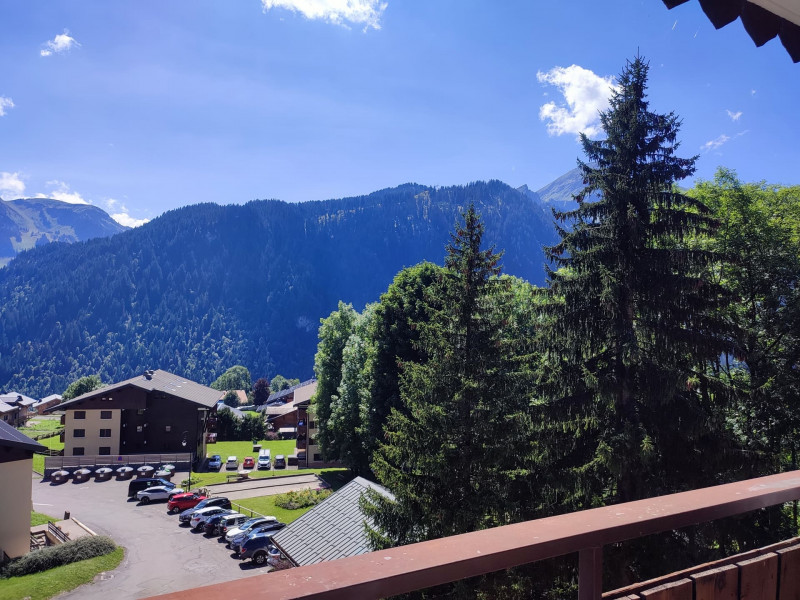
column 435, row 562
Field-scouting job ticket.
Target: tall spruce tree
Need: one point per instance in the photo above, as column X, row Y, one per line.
column 450, row 455
column 631, row 315
column 632, row 331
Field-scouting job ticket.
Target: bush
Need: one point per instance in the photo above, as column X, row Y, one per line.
column 56, row 556
column 301, row 499
column 189, row 482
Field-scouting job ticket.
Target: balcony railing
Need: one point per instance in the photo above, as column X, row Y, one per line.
column 435, row 562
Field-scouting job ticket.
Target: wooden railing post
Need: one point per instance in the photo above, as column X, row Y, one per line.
column 590, row 574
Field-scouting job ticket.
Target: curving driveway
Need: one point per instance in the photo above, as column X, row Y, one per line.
column 160, row 555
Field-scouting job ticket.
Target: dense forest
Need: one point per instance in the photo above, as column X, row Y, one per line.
column 206, row 287
column 662, row 354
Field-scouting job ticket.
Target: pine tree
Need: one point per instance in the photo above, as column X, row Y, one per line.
column 631, row 314
column 451, row 453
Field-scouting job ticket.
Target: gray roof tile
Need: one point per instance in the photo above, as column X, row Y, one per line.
column 160, row 381
column 332, row 529
column 13, row 438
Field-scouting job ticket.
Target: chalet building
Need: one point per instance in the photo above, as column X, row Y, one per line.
column 23, row 404
column 10, row 414
column 281, row 412
column 48, row 402
column 156, row 412
column 16, row 464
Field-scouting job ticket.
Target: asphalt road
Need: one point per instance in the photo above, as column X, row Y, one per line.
column 160, row 556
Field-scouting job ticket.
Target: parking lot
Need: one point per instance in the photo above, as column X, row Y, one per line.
column 160, row 555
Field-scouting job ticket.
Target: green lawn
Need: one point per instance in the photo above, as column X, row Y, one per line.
column 242, row 449
column 41, row 586
column 53, row 443
column 204, row 479
column 265, row 505
column 35, row 426
column 38, row 518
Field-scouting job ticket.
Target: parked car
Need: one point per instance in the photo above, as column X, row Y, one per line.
column 186, row 515
column 200, row 517
column 232, row 464
column 264, row 459
column 248, row 463
column 280, row 461
column 137, row 485
column 256, row 548
column 156, row 493
column 230, row 522
column 212, row 524
column 269, row 528
column 183, row 501
column 215, row 462
column 248, row 526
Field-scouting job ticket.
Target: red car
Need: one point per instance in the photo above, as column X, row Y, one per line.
column 183, row 501
column 249, row 463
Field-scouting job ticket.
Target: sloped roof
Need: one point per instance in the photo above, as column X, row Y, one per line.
column 277, row 411
column 287, row 391
column 762, row 19
column 10, row 437
column 332, row 529
column 235, row 411
column 19, row 399
column 157, row 381
column 5, row 407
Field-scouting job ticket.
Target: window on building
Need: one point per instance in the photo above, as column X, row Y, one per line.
column 79, row 433
column 105, row 414
column 140, row 411
column 105, row 450
column 79, row 414
column 77, row 451
column 318, row 458
column 105, row 433
column 138, row 429
column 168, row 428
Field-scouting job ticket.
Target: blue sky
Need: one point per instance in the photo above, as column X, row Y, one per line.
column 146, row 106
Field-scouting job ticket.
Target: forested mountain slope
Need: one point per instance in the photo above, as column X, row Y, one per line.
column 31, row 222
column 204, row 287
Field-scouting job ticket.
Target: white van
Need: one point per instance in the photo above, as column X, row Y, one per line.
column 264, row 459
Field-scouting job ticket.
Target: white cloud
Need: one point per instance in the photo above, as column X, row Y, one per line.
column 122, row 216
column 361, row 12
column 61, row 43
column 585, row 93
column 715, row 143
column 128, row 221
column 734, row 115
column 11, row 186
column 62, row 192
column 5, row 103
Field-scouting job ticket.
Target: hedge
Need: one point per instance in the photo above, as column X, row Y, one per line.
column 56, row 556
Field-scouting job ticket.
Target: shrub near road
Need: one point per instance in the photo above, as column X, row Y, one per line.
column 57, row 556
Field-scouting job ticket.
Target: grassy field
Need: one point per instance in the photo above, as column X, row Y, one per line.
column 38, row 518
column 204, row 479
column 265, row 505
column 41, row 586
column 38, row 459
column 39, row 425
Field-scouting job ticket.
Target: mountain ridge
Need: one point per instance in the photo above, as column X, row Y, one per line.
column 204, row 287
column 29, row 222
